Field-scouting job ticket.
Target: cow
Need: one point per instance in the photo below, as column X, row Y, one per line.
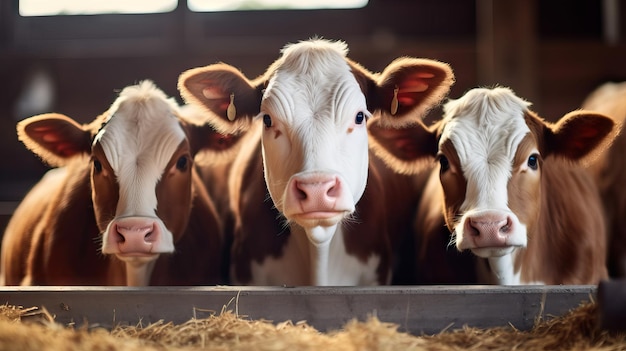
column 310, row 205
column 125, row 205
column 609, row 172
column 511, row 188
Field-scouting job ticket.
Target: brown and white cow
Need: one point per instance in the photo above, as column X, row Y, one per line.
column 309, row 203
column 609, row 171
column 512, row 190
column 126, row 207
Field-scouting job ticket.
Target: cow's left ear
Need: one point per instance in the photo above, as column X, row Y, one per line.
column 406, row 89
column 580, row 135
column 405, row 149
column 229, row 99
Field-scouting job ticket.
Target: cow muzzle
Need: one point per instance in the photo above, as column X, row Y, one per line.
column 490, row 233
column 137, row 238
column 317, row 199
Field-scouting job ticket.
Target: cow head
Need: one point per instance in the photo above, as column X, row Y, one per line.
column 313, row 105
column 141, row 153
column 491, row 149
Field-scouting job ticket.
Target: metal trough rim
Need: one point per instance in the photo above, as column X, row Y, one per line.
column 415, row 309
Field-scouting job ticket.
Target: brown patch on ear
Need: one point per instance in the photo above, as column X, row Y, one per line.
column 54, row 137
column 581, row 134
column 407, row 150
column 421, row 84
column 211, row 87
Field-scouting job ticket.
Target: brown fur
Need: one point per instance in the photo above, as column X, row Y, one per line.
column 567, row 244
column 254, row 240
column 255, row 216
column 610, row 173
column 54, row 237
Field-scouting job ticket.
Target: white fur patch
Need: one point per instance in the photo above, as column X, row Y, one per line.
column 313, row 102
column 293, row 268
column 486, row 127
column 138, row 140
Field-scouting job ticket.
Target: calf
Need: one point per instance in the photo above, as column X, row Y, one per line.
column 511, row 189
column 127, row 206
column 609, row 171
column 308, row 202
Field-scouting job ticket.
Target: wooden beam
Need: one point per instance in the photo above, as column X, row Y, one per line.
column 418, row 310
column 506, row 45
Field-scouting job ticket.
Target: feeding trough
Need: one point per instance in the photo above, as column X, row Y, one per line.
column 416, row 310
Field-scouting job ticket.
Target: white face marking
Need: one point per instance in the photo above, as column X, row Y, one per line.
column 138, row 140
column 313, row 102
column 486, row 127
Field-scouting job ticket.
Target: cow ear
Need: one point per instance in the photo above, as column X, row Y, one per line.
column 54, row 137
column 228, row 97
column 405, row 149
column 581, row 135
column 408, row 88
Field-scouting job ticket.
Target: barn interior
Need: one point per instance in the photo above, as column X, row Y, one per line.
column 553, row 53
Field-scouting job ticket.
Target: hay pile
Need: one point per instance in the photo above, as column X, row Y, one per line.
column 35, row 329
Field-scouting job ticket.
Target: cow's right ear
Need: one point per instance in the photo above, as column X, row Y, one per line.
column 406, row 149
column 54, row 137
column 230, row 98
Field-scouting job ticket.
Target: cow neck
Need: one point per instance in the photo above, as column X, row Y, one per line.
column 319, row 253
column 139, row 274
column 503, row 271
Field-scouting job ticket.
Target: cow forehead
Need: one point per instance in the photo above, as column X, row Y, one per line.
column 313, row 81
column 486, row 127
column 141, row 131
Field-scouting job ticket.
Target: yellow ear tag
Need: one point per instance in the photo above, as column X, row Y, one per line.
column 394, row 101
column 231, row 111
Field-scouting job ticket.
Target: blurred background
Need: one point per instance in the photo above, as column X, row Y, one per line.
column 72, row 57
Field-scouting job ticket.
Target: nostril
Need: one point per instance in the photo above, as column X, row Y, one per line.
column 334, row 189
column 506, row 227
column 471, row 228
column 120, row 238
column 149, row 237
column 299, row 191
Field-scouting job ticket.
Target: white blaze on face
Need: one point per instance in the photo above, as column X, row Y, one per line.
column 138, row 140
column 486, row 127
column 315, row 148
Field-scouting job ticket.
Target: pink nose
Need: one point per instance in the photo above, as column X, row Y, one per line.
column 315, row 193
column 490, row 229
column 134, row 235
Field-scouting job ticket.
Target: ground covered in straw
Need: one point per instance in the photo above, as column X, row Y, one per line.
column 35, row 329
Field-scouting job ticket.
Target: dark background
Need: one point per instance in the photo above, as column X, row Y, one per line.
column 552, row 53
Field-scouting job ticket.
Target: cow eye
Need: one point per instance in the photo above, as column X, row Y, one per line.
column 443, row 163
column 181, row 163
column 267, row 120
column 359, row 117
column 97, row 166
column 533, row 161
